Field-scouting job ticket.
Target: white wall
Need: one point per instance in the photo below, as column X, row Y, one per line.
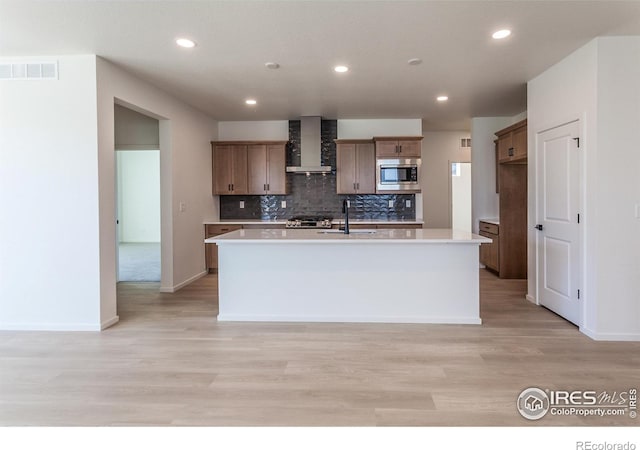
column 461, row 198
column 138, row 195
column 134, row 130
column 264, row 130
column 185, row 173
column 49, row 235
column 439, row 148
column 600, row 85
column 483, row 167
column 368, row 128
column 618, row 171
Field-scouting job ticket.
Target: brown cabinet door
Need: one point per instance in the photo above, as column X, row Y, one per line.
column 211, row 250
column 239, row 178
column 489, row 252
column 410, row 149
column 346, row 168
column 504, row 148
column 276, row 169
column 387, row 149
column 222, row 161
column 257, row 169
column 365, row 168
column 519, row 142
column 211, row 256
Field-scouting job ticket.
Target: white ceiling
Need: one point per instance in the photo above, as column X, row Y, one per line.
column 482, row 77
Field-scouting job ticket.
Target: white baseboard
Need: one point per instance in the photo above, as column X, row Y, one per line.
column 177, row 287
column 35, row 326
column 349, row 319
column 107, row 323
column 610, row 336
column 531, row 298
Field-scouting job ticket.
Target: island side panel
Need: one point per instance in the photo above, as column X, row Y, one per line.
column 330, row 282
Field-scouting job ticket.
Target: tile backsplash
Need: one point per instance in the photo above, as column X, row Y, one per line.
column 315, row 194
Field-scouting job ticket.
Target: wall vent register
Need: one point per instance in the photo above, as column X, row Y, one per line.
column 32, row 70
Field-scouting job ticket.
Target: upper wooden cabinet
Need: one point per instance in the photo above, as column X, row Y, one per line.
column 266, row 168
column 249, row 167
column 356, row 166
column 512, row 143
column 398, row 147
column 229, row 169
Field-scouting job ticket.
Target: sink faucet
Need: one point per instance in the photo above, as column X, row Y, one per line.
column 345, row 210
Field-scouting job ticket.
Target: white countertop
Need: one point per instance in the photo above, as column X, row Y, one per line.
column 335, row 222
column 312, row 236
column 493, row 221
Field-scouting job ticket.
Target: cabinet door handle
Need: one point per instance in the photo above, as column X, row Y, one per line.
column 354, row 186
column 264, row 187
column 229, row 187
column 358, row 186
column 232, row 186
column 399, row 148
column 268, row 187
column 511, row 152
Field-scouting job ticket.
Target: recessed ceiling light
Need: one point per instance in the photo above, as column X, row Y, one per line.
column 501, row 34
column 272, row 65
column 250, row 101
column 442, row 98
column 414, row 61
column 341, row 69
column 186, row 43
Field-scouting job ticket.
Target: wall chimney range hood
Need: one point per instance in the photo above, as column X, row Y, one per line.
column 310, row 147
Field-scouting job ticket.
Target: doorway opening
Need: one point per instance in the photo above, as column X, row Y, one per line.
column 138, row 209
column 461, row 196
column 138, row 219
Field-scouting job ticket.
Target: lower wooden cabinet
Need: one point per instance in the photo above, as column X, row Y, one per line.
column 490, row 253
column 211, row 250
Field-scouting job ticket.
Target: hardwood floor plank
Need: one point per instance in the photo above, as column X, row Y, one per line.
column 169, row 362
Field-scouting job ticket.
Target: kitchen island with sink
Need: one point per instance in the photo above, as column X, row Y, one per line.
column 383, row 275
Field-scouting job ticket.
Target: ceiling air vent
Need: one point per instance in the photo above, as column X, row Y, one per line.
column 29, row 70
column 465, row 143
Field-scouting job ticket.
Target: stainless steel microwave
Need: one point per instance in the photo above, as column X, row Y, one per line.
column 398, row 175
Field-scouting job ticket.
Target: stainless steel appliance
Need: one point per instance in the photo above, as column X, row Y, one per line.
column 309, row 222
column 397, row 175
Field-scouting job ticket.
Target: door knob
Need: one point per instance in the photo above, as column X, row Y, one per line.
column 539, row 227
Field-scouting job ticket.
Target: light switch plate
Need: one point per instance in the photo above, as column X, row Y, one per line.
column 283, row 204
column 348, row 203
column 241, row 204
column 408, row 203
column 390, row 203
column 183, row 207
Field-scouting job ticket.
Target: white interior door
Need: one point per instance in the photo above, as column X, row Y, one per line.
column 558, row 244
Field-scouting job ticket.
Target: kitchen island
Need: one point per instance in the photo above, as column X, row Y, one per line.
column 393, row 275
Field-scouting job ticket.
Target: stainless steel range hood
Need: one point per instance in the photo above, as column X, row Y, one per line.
column 310, row 147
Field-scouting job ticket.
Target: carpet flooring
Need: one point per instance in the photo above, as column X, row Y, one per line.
column 139, row 261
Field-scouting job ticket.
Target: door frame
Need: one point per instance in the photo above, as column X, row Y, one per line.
column 451, row 162
column 581, row 168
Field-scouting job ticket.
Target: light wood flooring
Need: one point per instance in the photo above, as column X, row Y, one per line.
column 169, row 362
